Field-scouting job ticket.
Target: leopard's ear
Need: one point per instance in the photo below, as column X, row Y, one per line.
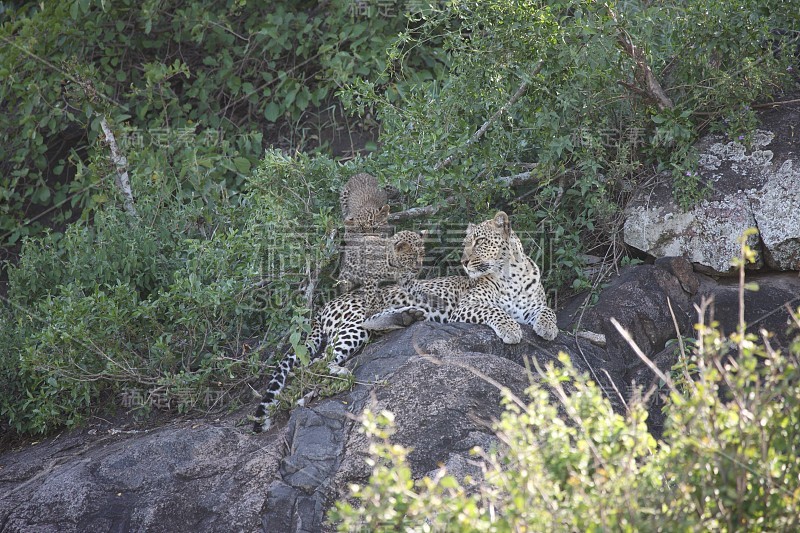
column 402, row 246
column 501, row 221
column 470, row 229
column 424, row 233
column 382, row 216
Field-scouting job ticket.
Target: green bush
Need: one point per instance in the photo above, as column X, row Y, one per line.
column 170, row 73
column 229, row 243
column 729, row 461
column 584, row 130
column 171, row 307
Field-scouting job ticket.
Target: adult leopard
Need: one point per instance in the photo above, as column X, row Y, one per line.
column 502, row 290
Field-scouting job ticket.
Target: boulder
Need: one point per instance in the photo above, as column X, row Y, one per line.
column 764, row 309
column 757, row 185
column 182, row 477
column 441, row 381
column 707, row 235
column 637, row 299
column 776, row 208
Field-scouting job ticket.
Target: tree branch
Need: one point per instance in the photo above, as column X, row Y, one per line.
column 644, row 74
column 121, row 164
column 425, row 211
column 515, row 180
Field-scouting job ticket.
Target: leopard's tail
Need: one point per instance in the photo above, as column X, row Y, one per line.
column 277, row 382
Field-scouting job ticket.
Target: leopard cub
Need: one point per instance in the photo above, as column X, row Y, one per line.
column 339, row 323
column 366, row 247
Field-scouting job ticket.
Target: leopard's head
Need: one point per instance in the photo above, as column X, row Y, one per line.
column 408, row 251
column 488, row 246
column 368, row 220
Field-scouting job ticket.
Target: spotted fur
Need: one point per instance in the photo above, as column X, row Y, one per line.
column 339, row 323
column 366, row 242
column 502, row 290
column 364, row 203
column 508, row 289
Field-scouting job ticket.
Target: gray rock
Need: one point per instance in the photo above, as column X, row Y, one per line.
column 442, row 381
column 756, row 186
column 776, row 208
column 177, row 478
column 707, row 235
column 637, row 299
column 765, row 309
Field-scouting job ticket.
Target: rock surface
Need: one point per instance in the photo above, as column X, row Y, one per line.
column 756, row 186
column 441, row 381
column 216, row 476
column 184, row 477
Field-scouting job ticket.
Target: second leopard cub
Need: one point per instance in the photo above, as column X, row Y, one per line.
column 339, row 323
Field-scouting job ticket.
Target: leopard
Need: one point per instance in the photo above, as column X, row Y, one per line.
column 339, row 322
column 366, row 233
column 502, row 288
column 377, row 261
column 364, row 203
column 508, row 290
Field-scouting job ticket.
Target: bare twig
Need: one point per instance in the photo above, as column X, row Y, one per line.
column 515, row 180
column 638, row 351
column 425, row 211
column 484, row 128
column 121, row 164
column 313, row 274
column 681, row 344
column 770, row 105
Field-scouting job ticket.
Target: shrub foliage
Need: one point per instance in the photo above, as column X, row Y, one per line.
column 229, row 243
column 212, row 75
column 729, row 460
column 172, row 308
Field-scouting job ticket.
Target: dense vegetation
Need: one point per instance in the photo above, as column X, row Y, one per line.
column 729, row 461
column 544, row 108
column 193, row 87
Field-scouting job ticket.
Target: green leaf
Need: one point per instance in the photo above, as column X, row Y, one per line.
column 272, row 111
column 242, row 164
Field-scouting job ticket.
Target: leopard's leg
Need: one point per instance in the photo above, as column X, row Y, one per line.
column 350, row 339
column 396, row 318
column 373, row 302
column 544, row 322
column 540, row 316
column 315, row 343
column 501, row 322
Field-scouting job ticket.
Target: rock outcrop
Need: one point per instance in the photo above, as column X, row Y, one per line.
column 217, row 476
column 441, row 381
column 756, row 186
